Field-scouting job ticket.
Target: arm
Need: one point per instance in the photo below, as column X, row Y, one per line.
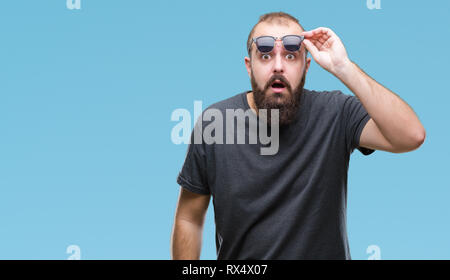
column 188, row 226
column 393, row 126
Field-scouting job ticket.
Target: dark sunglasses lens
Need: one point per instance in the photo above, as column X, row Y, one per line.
column 265, row 44
column 292, row 43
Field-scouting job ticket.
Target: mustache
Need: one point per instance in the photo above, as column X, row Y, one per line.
column 278, row 77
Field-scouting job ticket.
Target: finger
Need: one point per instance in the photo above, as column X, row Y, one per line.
column 311, row 47
column 316, row 43
column 322, row 39
column 307, row 34
column 318, row 32
column 320, row 36
column 322, row 30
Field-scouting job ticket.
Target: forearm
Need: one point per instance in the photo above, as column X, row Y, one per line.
column 395, row 118
column 186, row 240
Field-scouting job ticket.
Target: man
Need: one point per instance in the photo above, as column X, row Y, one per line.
column 292, row 204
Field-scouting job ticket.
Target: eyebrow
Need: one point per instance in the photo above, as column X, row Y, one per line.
column 283, row 50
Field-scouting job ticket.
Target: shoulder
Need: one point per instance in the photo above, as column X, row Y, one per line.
column 219, row 109
column 326, row 95
column 326, row 100
column 234, row 102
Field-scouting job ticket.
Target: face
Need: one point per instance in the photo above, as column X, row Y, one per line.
column 278, row 77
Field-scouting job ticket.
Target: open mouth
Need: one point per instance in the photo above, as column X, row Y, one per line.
column 278, row 86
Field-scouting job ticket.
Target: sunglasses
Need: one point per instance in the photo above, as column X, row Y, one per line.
column 265, row 44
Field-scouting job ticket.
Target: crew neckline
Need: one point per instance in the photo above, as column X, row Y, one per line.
column 244, row 97
column 298, row 117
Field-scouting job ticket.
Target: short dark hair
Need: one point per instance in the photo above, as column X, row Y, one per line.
column 280, row 17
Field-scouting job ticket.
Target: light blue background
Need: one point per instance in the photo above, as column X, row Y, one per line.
column 86, row 97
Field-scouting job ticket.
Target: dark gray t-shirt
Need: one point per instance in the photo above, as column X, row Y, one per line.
column 290, row 205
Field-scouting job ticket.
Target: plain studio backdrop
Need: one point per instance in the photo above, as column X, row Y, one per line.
column 86, row 95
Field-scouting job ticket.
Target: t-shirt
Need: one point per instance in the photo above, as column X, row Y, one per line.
column 289, row 205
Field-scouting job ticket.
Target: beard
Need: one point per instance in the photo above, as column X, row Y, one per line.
column 287, row 104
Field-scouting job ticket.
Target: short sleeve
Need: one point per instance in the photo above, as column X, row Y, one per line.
column 193, row 176
column 356, row 117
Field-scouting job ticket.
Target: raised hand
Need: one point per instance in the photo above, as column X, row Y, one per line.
column 326, row 49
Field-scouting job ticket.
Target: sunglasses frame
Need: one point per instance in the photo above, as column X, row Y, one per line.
column 275, row 39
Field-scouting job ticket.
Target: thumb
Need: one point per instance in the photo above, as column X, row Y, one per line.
column 310, row 47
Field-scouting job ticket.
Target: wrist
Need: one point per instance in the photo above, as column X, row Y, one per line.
column 345, row 70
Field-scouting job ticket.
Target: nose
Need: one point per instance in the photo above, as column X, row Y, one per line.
column 278, row 67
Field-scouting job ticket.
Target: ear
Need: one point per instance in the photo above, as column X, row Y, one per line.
column 308, row 63
column 248, row 66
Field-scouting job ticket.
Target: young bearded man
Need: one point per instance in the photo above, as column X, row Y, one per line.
column 290, row 204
